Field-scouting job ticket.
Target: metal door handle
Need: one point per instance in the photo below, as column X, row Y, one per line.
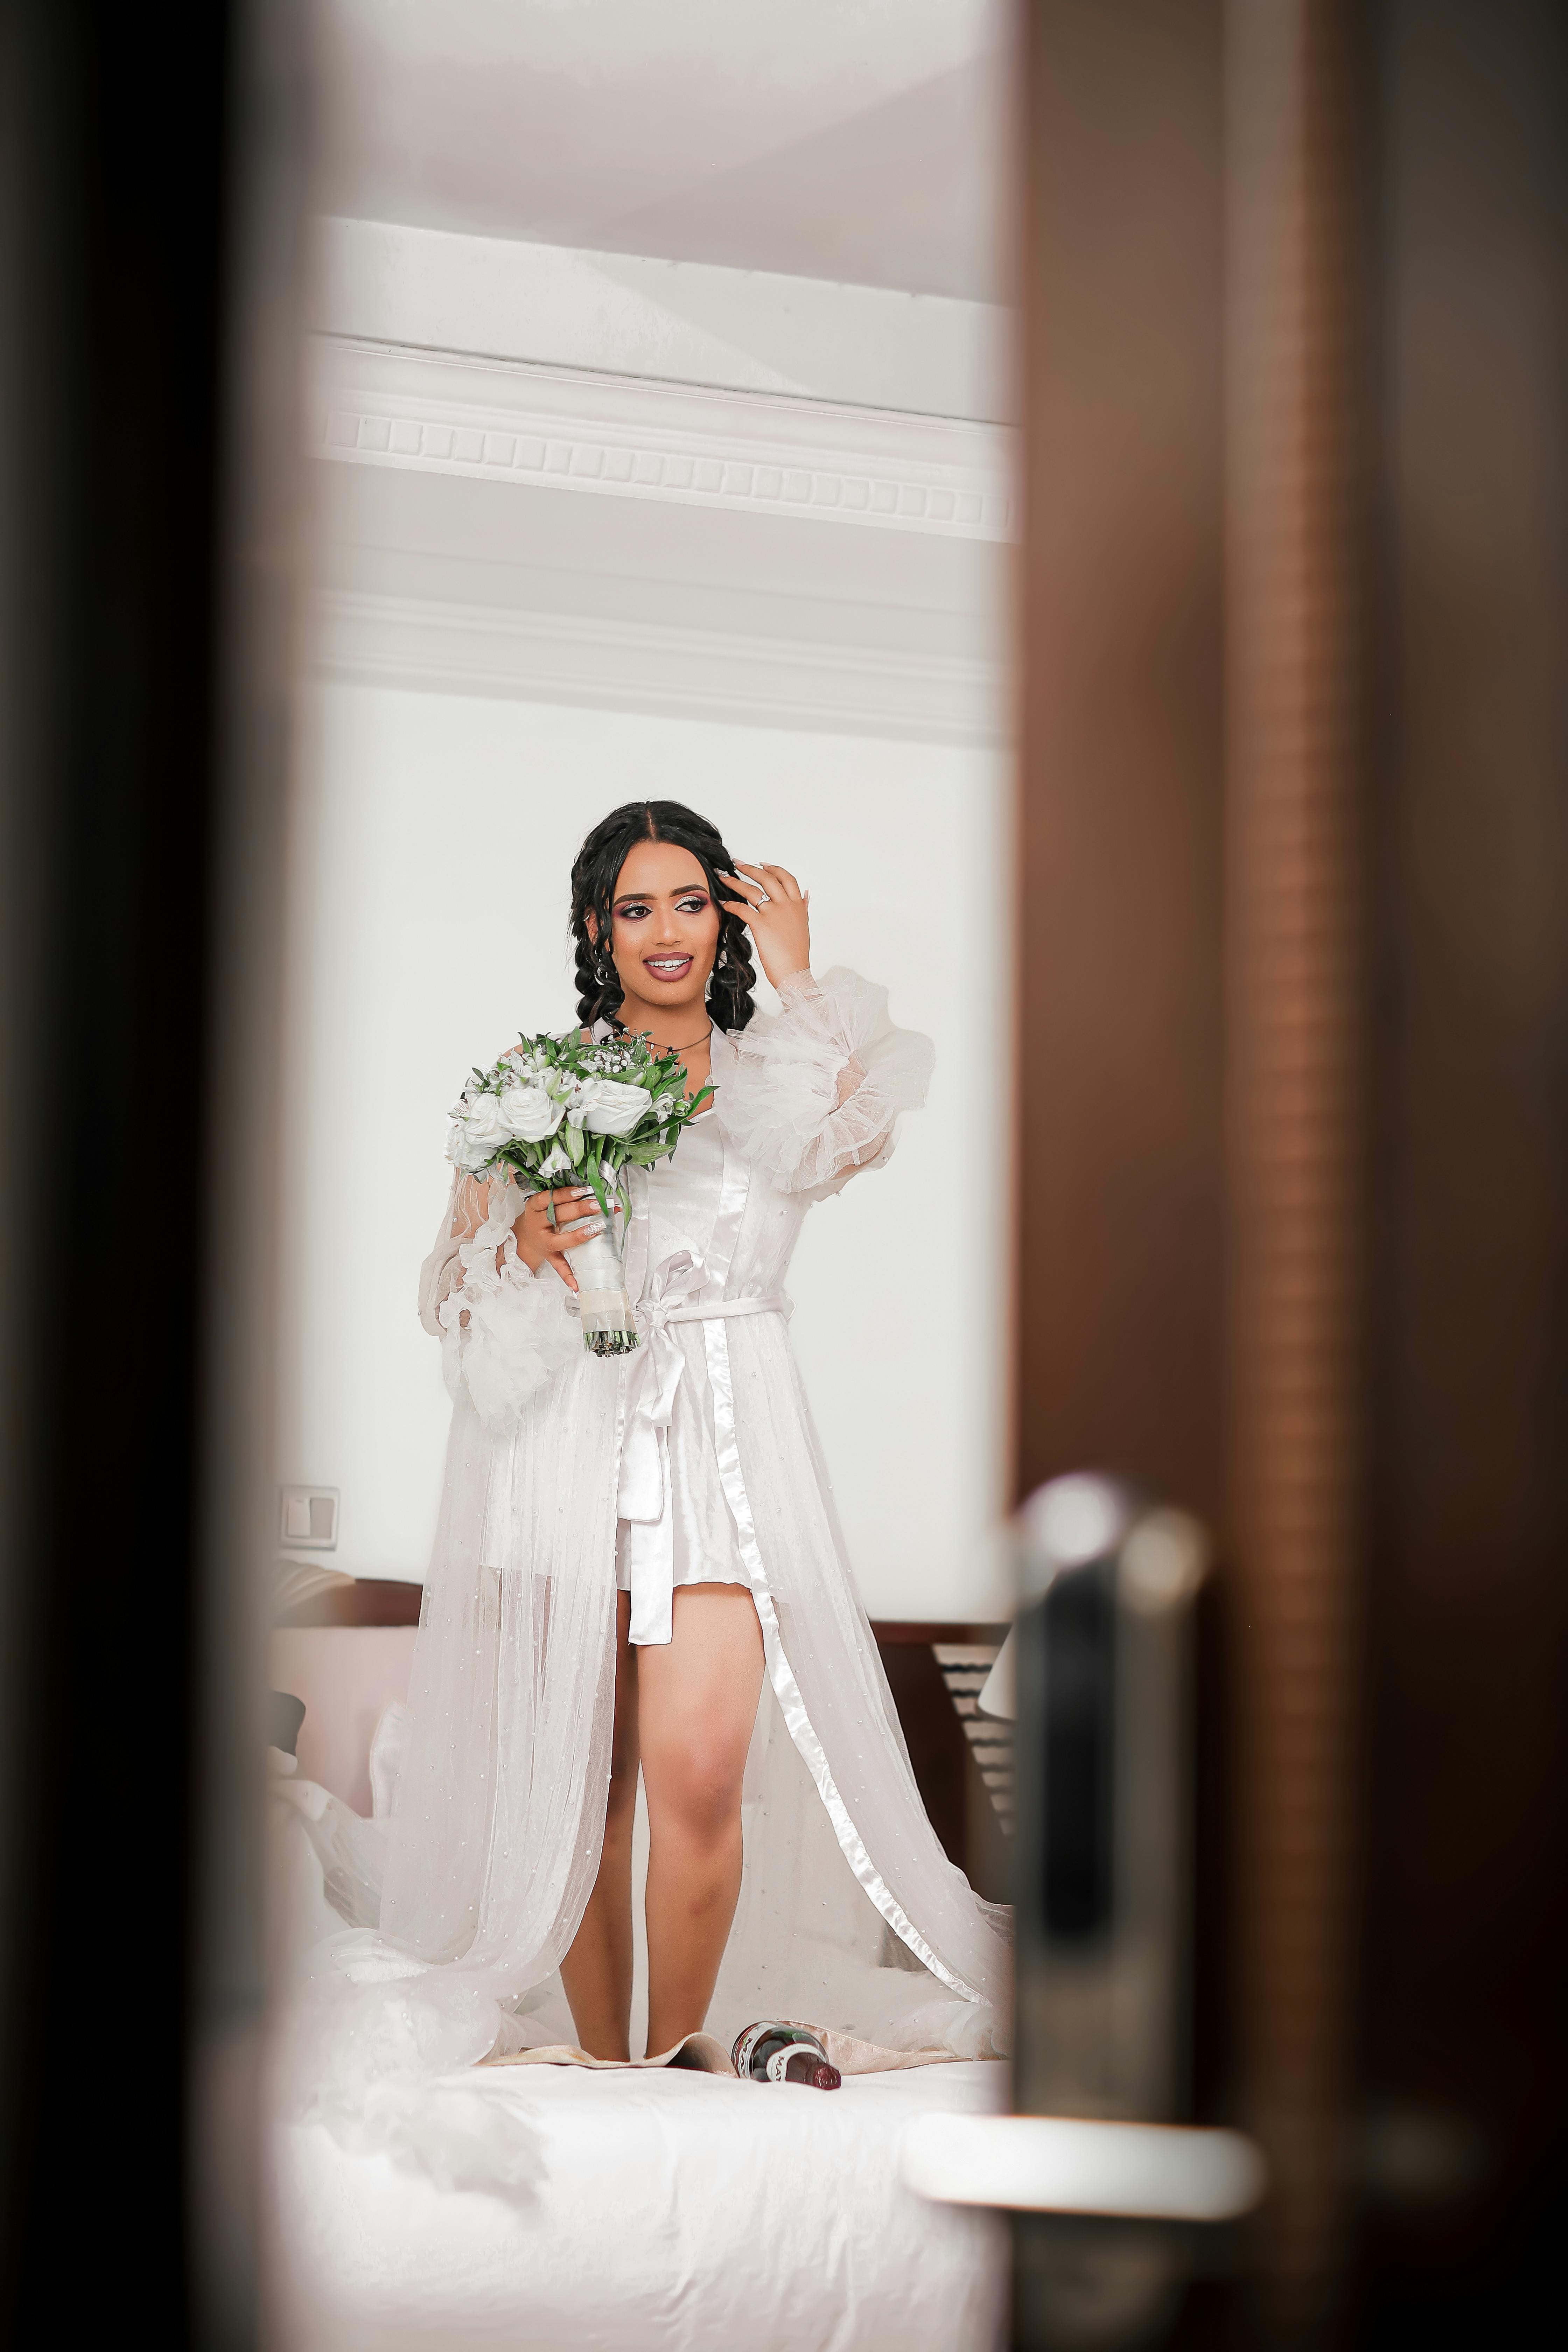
column 1069, row 2164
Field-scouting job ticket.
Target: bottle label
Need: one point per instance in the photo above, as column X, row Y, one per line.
column 770, row 2039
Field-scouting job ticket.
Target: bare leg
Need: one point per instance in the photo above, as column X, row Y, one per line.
column 697, row 1703
column 598, row 1971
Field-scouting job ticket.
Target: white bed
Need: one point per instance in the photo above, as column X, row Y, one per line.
column 654, row 2210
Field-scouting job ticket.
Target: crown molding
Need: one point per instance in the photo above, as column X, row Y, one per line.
column 564, row 429
column 645, row 665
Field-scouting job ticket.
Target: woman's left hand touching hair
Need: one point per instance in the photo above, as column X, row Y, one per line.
column 773, row 906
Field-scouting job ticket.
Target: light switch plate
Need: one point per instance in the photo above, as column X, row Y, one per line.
column 308, row 1519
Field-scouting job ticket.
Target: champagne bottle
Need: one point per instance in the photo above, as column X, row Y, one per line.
column 776, row 2052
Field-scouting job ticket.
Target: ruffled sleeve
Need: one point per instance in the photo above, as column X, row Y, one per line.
column 504, row 1331
column 815, row 1091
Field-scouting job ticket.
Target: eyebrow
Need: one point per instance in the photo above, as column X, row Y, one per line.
column 641, row 898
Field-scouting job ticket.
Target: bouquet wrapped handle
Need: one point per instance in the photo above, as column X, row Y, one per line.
column 609, row 1324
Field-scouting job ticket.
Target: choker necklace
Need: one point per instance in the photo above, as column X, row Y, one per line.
column 678, row 1049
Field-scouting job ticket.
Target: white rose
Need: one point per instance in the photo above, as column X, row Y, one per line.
column 527, row 1112
column 484, row 1128
column 608, row 1108
column 463, row 1152
column 555, row 1163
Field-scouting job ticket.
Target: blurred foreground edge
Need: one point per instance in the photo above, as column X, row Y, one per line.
column 1293, row 984
column 151, row 195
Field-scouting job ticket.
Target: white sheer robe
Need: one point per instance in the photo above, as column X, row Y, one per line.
column 850, row 1914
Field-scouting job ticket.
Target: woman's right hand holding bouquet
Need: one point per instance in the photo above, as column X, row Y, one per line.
column 541, row 1242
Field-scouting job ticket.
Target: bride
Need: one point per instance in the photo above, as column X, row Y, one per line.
column 631, row 1553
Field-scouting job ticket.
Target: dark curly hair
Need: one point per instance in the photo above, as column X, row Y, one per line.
column 596, row 869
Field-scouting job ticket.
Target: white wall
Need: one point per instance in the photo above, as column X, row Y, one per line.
column 429, row 925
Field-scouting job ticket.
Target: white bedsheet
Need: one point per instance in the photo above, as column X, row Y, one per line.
column 670, row 2211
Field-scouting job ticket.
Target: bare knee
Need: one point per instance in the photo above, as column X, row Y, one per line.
column 700, row 1789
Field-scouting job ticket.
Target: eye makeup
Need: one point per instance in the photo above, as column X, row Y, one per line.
column 689, row 902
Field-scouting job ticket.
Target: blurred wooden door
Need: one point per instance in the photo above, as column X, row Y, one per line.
column 1293, row 887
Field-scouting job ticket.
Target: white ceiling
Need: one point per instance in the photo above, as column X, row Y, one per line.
column 856, row 140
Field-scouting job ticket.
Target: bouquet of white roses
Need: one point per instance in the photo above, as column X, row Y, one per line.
column 557, row 1110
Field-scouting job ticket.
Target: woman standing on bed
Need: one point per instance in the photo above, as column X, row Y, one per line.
column 629, row 1548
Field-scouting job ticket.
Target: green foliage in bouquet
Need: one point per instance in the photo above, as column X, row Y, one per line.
column 559, row 1111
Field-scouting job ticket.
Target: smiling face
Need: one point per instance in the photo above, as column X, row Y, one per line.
column 666, row 931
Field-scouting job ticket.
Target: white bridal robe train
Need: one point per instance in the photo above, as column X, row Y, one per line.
column 694, row 1458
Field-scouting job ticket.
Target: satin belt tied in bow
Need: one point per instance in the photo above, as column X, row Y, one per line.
column 643, row 1494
